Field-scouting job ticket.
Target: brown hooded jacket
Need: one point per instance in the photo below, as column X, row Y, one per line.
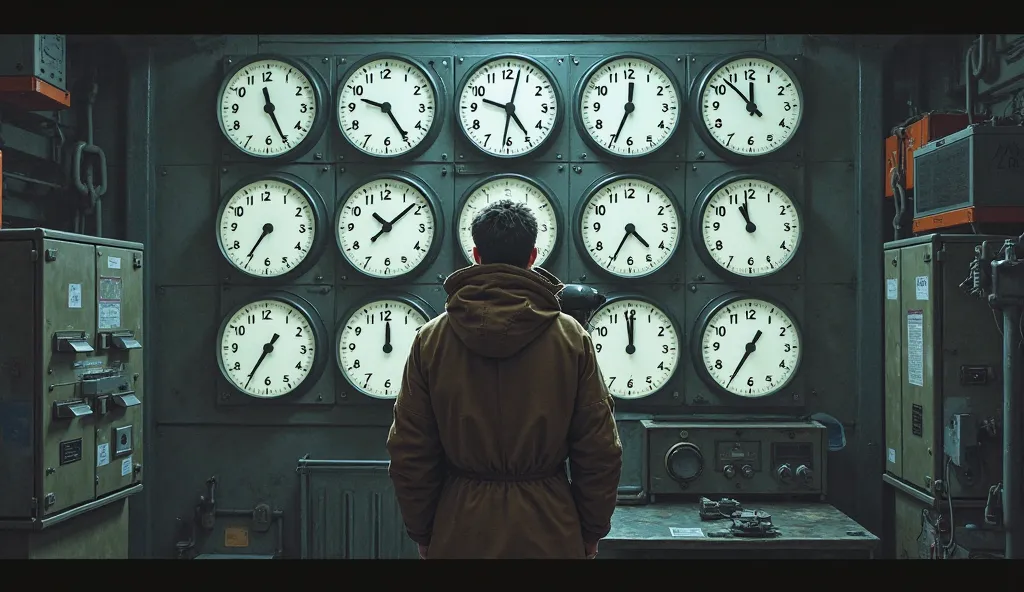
column 497, row 393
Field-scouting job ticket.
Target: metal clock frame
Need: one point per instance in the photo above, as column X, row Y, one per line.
column 432, row 200
column 440, row 106
column 700, row 85
column 601, row 183
column 319, row 87
column 556, row 127
column 700, row 324
column 577, row 100
column 697, row 221
column 543, row 187
column 316, row 203
column 684, row 446
column 615, row 297
column 415, row 302
column 316, row 323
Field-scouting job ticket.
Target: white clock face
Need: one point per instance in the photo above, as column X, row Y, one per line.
column 629, row 227
column 386, row 228
column 629, row 107
column 268, row 108
column 267, row 349
column 751, row 106
column 373, row 346
column 751, row 228
column 760, row 328
column 267, row 228
column 508, row 107
column 386, row 107
column 637, row 347
column 518, row 190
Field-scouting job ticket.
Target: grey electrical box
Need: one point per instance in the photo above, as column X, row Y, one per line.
column 980, row 166
column 42, row 56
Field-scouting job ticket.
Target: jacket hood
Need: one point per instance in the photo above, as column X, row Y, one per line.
column 496, row 310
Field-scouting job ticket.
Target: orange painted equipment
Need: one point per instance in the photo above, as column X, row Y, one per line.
column 32, row 94
column 970, row 215
column 927, row 129
column 1, row 189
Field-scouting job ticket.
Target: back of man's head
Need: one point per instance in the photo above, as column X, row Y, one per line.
column 505, row 232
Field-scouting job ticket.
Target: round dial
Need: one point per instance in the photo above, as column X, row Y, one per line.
column 374, row 342
column 628, row 225
column 509, row 106
column 637, row 346
column 388, row 226
column 270, row 107
column 684, row 461
column 747, row 105
column 270, row 347
column 746, row 226
column 747, row 346
column 628, row 106
column 519, row 189
column 388, row 106
column 271, row 226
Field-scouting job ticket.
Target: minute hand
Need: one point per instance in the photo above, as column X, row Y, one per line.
column 749, row 349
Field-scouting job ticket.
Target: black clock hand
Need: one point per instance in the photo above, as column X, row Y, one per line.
column 387, row 338
column 749, row 349
column 515, row 87
column 504, row 135
column 385, row 226
column 402, row 214
column 267, row 229
column 630, row 325
column 515, row 118
column 752, row 106
column 374, row 103
column 495, row 103
column 640, row 238
column 750, row 227
column 622, row 242
column 268, row 108
column 268, row 348
column 628, row 108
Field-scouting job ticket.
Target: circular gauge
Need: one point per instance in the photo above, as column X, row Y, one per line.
column 684, row 462
column 271, row 226
column 518, row 188
column 747, row 105
column 271, row 347
column 637, row 345
column 746, row 226
column 627, row 225
column 628, row 106
column 389, row 226
column 374, row 342
column 270, row 107
column 509, row 106
column 746, row 346
column 389, row 106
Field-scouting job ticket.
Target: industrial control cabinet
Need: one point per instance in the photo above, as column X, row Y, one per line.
column 943, row 354
column 70, row 372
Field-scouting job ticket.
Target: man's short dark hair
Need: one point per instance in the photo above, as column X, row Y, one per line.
column 505, row 232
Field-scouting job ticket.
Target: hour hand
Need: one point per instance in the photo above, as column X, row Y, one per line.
column 494, row 103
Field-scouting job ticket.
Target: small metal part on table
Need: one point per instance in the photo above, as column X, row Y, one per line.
column 723, row 508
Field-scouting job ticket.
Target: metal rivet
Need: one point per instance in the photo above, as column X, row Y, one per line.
column 583, row 156
column 679, row 60
column 700, row 155
column 325, row 60
column 344, row 61
column 444, row 156
column 444, row 63
column 461, row 60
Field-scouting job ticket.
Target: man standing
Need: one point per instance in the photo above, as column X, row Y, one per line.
column 497, row 393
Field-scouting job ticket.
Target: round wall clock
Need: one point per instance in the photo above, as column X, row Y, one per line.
column 637, row 345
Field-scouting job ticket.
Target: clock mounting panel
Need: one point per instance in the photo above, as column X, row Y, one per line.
column 438, row 145
column 556, row 145
column 322, row 182
column 553, row 177
column 320, row 306
column 699, row 177
column 665, row 176
column 314, row 147
column 699, row 395
column 674, row 147
column 700, row 142
column 438, row 180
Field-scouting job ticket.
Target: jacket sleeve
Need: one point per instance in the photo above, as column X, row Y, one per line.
column 595, row 453
column 417, row 458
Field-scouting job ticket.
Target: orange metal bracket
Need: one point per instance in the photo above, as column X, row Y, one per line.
column 32, row 94
column 970, row 215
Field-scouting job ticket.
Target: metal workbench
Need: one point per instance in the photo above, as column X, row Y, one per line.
column 675, row 530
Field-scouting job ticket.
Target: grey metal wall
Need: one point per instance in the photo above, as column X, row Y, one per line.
column 176, row 149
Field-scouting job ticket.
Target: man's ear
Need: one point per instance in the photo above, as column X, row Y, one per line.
column 476, row 255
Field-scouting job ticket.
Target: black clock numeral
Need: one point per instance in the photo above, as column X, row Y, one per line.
column 782, row 89
column 240, row 91
column 266, row 315
column 748, row 75
column 598, row 124
column 351, row 107
column 602, row 91
column 385, row 74
column 661, row 91
column 250, row 79
column 416, row 90
column 267, row 77
column 751, row 314
column 479, row 91
column 357, row 90
column 539, row 89
column 236, row 125
column 506, row 74
column 298, row 91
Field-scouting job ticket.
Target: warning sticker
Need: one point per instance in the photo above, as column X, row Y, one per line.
column 915, row 347
column 109, row 311
column 686, row 532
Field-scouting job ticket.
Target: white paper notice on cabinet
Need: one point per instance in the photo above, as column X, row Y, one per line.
column 74, row 295
column 921, row 287
column 892, row 290
column 915, row 347
column 103, row 455
column 126, row 467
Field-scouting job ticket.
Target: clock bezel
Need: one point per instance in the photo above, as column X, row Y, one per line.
column 440, row 107
column 601, row 183
column 316, row 204
column 697, row 225
column 556, row 126
column 700, row 325
column 543, row 187
column 435, row 206
column 415, row 302
column 680, row 336
column 316, row 323
column 320, row 119
column 700, row 85
column 577, row 102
